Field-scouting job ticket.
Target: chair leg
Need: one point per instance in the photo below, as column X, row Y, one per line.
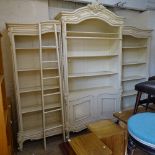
column 147, row 104
column 139, row 94
column 131, row 147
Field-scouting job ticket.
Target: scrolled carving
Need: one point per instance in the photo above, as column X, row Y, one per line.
column 96, row 7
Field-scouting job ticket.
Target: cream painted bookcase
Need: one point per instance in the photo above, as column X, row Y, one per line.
column 60, row 89
column 92, row 48
column 135, row 62
column 38, row 84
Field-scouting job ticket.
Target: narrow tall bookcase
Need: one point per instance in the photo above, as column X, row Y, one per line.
column 92, row 47
column 135, row 62
column 36, row 52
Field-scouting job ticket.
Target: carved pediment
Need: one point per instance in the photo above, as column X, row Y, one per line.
column 136, row 32
column 94, row 10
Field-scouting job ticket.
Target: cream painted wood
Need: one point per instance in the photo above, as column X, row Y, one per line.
column 92, row 47
column 36, row 50
column 135, row 61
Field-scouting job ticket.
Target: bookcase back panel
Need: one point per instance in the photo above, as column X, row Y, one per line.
column 53, row 118
column 86, row 46
column 50, row 65
column 134, row 70
column 51, row 83
column 92, row 25
column 30, row 120
column 29, row 79
column 30, row 99
column 93, row 82
column 130, row 85
column 32, row 102
column 48, row 39
column 129, row 41
column 49, row 55
column 134, row 55
column 26, row 41
column 50, row 73
column 27, row 59
column 85, row 65
column 52, row 100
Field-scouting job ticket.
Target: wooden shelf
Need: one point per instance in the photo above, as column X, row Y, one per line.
column 28, row 70
column 50, row 68
column 98, row 38
column 48, row 47
column 37, row 88
column 103, row 73
column 129, row 93
column 49, row 61
column 136, row 77
column 51, row 77
column 133, row 63
column 36, row 69
column 35, row 48
column 90, row 54
column 38, row 130
column 28, row 49
column 132, row 47
column 35, row 108
column 84, row 32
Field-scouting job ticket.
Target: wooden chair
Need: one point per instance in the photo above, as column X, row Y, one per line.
column 147, row 87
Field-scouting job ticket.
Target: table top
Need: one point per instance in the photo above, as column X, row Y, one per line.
column 89, row 144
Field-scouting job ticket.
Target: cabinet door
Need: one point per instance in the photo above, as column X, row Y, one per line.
column 80, row 113
column 107, row 104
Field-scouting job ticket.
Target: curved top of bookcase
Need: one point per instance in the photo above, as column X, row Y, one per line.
column 97, row 11
column 136, row 32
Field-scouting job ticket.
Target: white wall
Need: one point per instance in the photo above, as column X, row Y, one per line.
column 18, row 11
column 55, row 6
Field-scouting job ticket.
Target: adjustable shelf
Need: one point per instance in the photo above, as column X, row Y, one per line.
column 132, row 47
column 82, row 33
column 136, row 77
column 35, row 108
column 90, row 54
column 104, row 73
column 98, row 38
column 133, row 63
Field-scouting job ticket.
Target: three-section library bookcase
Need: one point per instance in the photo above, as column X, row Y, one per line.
column 71, row 71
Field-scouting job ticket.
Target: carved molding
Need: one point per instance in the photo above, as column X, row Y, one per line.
column 33, row 29
column 136, row 32
column 90, row 11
